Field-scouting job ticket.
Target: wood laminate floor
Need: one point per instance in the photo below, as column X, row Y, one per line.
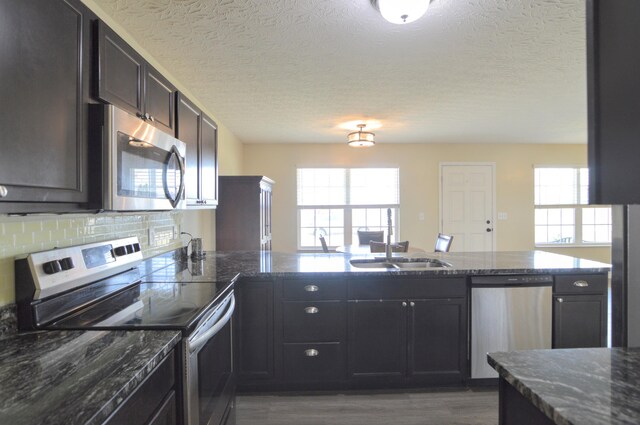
column 447, row 407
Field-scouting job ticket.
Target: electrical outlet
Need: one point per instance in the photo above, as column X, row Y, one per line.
column 503, row 216
column 151, row 236
column 421, row 216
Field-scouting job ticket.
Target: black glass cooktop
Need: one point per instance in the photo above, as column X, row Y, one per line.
column 157, row 305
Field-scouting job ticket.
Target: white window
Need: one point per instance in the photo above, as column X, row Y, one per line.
column 337, row 202
column 562, row 216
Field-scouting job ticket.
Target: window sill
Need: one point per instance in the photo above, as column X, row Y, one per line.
column 599, row 245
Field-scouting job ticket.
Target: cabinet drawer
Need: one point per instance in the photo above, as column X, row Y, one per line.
column 309, row 289
column 149, row 397
column 581, row 284
column 405, row 288
column 319, row 362
column 306, row 321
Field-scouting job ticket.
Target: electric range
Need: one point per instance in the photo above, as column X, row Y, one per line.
column 105, row 286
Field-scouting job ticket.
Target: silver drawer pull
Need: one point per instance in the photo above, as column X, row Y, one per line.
column 311, row 288
column 581, row 283
column 560, row 300
column 311, row 353
column 3, row 191
column 311, row 310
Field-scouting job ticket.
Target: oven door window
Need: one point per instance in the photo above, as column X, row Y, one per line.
column 214, row 377
column 146, row 171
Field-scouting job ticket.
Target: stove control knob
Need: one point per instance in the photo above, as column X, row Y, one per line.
column 120, row 251
column 136, row 247
column 67, row 263
column 52, row 267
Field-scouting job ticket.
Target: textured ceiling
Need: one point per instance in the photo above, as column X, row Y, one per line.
column 293, row 71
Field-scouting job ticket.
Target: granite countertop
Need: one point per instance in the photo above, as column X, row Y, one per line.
column 225, row 266
column 585, row 386
column 75, row 377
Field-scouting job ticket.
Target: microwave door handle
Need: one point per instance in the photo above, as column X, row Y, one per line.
column 197, row 343
column 174, row 200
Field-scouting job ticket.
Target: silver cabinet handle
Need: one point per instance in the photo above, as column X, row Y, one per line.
column 311, row 310
column 311, row 288
column 404, row 304
column 581, row 283
column 151, row 118
column 3, row 191
column 560, row 300
column 311, row 353
column 412, row 304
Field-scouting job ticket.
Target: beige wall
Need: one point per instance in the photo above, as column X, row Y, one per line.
column 419, row 187
column 22, row 235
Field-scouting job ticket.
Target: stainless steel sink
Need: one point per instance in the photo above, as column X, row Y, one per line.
column 400, row 263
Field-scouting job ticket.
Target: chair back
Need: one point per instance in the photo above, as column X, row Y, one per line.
column 366, row 236
column 325, row 248
column 443, row 243
column 395, row 247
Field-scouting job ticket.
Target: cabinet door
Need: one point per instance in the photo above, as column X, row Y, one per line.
column 377, row 341
column 45, row 51
column 188, row 130
column 209, row 162
column 159, row 100
column 579, row 321
column 437, row 340
column 254, row 333
column 121, row 72
column 613, row 60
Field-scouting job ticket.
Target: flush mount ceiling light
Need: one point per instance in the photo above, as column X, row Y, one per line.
column 361, row 139
column 401, row 11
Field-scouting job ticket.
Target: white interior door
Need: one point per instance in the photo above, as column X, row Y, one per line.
column 467, row 205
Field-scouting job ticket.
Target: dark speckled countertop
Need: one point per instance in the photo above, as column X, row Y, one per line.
column 224, row 266
column 585, row 386
column 75, row 377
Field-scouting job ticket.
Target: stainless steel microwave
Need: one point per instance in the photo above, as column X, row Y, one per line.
column 143, row 167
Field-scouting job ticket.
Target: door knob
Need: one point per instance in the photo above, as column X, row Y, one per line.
column 489, row 229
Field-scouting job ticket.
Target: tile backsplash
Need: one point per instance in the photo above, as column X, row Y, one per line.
column 157, row 231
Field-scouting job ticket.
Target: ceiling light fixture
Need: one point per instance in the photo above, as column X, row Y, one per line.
column 401, row 11
column 361, row 139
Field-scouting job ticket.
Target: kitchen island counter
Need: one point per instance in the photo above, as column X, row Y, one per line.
column 225, row 266
column 75, row 377
column 569, row 387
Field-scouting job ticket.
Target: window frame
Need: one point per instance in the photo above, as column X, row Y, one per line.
column 347, row 209
column 577, row 208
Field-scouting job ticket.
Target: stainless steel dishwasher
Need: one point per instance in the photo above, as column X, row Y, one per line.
column 508, row 313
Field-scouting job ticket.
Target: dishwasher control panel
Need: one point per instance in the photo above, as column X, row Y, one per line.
column 507, row 280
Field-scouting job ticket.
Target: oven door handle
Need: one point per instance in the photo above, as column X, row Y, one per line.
column 197, row 343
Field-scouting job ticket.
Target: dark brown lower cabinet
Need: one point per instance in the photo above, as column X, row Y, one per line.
column 254, row 331
column 515, row 409
column 407, row 342
column 377, row 340
column 437, row 340
column 580, row 309
column 154, row 402
column 580, row 321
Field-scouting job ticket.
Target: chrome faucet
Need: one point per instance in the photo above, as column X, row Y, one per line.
column 389, row 232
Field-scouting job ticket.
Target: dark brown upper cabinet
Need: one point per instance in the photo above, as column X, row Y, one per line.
column 613, row 81
column 126, row 80
column 45, row 48
column 200, row 133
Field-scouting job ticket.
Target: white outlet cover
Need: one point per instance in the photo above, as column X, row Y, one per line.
column 503, row 216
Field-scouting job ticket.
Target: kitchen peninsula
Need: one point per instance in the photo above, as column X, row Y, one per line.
column 308, row 312
column 565, row 387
